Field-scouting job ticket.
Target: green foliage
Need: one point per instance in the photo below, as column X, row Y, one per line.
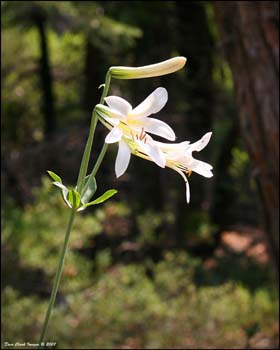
column 106, row 305
column 148, row 222
column 20, row 85
column 240, row 161
column 41, row 228
column 15, row 315
column 198, row 227
column 124, row 305
column 68, row 26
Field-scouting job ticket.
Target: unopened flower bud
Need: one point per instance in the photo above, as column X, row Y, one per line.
column 152, row 70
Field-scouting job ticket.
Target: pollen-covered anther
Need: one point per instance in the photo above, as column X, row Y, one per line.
column 189, row 172
column 142, row 134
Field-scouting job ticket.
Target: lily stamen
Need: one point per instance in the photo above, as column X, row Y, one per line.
column 142, row 134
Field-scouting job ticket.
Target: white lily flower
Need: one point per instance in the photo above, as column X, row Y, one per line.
column 179, row 157
column 129, row 126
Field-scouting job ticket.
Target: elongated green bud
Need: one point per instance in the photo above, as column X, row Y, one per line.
column 152, row 70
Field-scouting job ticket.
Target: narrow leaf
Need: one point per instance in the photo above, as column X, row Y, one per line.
column 89, row 189
column 60, row 185
column 54, row 176
column 108, row 194
column 64, row 192
column 64, row 195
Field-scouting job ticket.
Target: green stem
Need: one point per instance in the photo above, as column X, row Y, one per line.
column 80, row 183
column 99, row 160
column 57, row 275
column 106, row 87
column 86, row 155
column 105, row 145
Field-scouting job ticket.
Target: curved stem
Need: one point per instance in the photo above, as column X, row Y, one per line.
column 98, row 162
column 57, row 276
column 100, row 158
column 94, row 119
column 106, row 87
column 86, row 155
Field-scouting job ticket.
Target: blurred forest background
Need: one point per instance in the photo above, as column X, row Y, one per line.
column 144, row 270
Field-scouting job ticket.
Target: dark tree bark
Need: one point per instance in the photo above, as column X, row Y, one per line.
column 249, row 33
column 46, row 77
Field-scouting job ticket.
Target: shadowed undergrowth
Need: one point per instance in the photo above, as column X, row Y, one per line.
column 171, row 301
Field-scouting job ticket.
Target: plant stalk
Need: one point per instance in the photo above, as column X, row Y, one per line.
column 80, row 183
column 57, row 276
column 86, row 155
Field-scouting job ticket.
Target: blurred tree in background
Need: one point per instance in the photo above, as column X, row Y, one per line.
column 250, row 32
column 146, row 270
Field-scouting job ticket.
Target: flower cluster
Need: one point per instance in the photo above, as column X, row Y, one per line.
column 131, row 129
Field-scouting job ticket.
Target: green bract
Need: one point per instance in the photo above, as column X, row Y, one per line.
column 54, row 176
column 74, row 199
column 89, row 189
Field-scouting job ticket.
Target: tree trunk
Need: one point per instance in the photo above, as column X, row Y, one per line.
column 46, row 77
column 249, row 37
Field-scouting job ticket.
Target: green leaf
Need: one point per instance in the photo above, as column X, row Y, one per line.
column 108, row 194
column 89, row 189
column 70, row 197
column 54, row 176
column 64, row 192
column 74, row 198
column 60, row 185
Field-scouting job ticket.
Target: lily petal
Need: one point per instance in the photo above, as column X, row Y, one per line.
column 203, row 142
column 173, row 147
column 119, row 104
column 188, row 193
column 152, row 104
column 154, row 152
column 201, row 168
column 158, row 127
column 123, row 158
column 114, row 135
